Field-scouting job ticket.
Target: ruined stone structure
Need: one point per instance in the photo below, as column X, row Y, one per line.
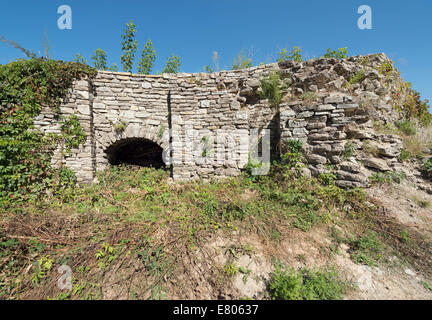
column 128, row 117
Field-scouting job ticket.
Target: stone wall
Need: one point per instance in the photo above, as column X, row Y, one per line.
column 319, row 108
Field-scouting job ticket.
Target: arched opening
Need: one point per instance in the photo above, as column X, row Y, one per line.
column 136, row 151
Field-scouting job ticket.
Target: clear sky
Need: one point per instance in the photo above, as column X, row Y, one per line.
column 193, row 29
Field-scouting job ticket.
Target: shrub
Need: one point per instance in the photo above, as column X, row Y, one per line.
column 294, row 54
column 349, row 149
column 340, row 53
column 306, row 285
column 358, row 77
column 272, row 89
column 386, row 68
column 172, row 65
column 427, row 167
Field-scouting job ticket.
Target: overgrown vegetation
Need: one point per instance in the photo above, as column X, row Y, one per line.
column 27, row 87
column 408, row 102
column 304, row 284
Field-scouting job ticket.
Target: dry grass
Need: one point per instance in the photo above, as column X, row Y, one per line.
column 136, row 236
column 420, row 143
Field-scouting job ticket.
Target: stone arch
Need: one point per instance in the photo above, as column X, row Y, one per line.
column 136, row 151
column 137, row 145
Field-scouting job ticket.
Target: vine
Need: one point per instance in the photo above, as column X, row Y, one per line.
column 27, row 86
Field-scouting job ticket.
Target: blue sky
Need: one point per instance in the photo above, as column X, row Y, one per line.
column 193, row 29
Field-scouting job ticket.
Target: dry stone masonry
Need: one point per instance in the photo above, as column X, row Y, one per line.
column 130, row 115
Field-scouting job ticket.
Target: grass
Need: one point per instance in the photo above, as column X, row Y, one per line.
column 366, row 249
column 305, row 284
column 387, row 177
column 426, row 285
column 121, row 220
column 349, row 150
column 417, row 140
column 407, row 127
column 309, row 96
column 369, row 148
column 137, row 228
column 358, row 77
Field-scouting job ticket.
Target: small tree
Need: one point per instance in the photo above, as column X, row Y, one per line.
column 113, row 67
column 173, row 64
column 129, row 47
column 99, row 59
column 241, row 62
column 80, row 59
column 148, row 57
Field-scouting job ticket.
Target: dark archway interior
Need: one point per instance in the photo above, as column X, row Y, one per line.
column 136, row 151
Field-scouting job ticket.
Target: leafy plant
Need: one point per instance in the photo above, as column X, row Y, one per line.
column 172, row 65
column 25, row 153
column 99, row 59
column 73, row 134
column 129, row 47
column 113, row 67
column 306, row 284
column 386, row 68
column 230, row 270
column 404, row 155
column 427, row 167
column 44, row 266
column 148, row 57
column 120, row 126
column 340, row 53
column 294, row 54
column 388, row 177
column 426, row 285
column 80, row 59
column 272, row 89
